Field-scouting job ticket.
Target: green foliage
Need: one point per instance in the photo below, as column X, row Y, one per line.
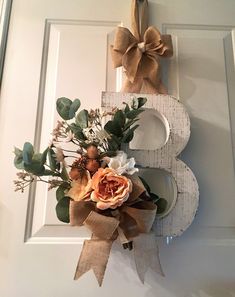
column 28, row 153
column 18, row 160
column 60, row 192
column 64, row 174
column 129, row 123
column 74, row 107
column 160, row 202
column 113, row 127
column 135, row 103
column 114, row 143
column 145, row 184
column 82, row 119
column 77, row 130
column 35, row 167
column 44, row 156
column 67, row 108
column 127, row 108
column 132, row 114
column 62, row 209
column 161, row 205
column 120, row 127
column 120, row 118
column 52, row 159
column 121, row 130
column 34, row 163
column 142, row 101
column 128, row 136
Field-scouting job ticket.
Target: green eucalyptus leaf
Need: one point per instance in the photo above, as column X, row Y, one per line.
column 62, row 209
column 48, row 172
column 129, row 123
column 38, row 157
column 135, row 103
column 114, row 143
column 154, row 197
column 128, row 136
column 63, row 106
column 44, row 156
column 134, row 113
column 74, row 107
column 77, row 130
column 120, row 118
column 60, row 192
column 82, row 118
column 18, row 152
column 161, row 205
column 52, row 159
column 64, row 174
column 18, row 160
column 141, row 101
column 113, row 127
column 28, row 152
column 74, row 127
column 35, row 167
column 146, row 185
column 127, row 107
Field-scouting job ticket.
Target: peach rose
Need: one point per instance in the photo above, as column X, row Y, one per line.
column 81, row 186
column 110, row 190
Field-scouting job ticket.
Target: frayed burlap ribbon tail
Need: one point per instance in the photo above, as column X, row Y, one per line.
column 139, row 53
column 128, row 222
column 95, row 252
column 146, row 255
column 94, row 255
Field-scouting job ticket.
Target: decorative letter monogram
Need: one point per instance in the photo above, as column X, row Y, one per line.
column 177, row 124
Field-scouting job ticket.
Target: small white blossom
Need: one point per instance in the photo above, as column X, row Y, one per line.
column 122, row 165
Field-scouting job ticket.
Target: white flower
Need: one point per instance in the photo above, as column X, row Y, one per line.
column 102, row 134
column 122, row 165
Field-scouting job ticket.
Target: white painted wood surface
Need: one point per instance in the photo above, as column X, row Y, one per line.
column 165, row 157
column 201, row 262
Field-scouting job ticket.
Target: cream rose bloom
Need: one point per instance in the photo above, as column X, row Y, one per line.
column 122, row 165
column 110, row 190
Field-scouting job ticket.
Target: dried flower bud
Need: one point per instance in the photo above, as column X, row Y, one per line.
column 92, row 152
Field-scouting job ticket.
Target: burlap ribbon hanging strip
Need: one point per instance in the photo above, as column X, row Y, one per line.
column 129, row 222
column 139, row 53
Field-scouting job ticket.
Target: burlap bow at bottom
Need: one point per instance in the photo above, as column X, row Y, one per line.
column 132, row 222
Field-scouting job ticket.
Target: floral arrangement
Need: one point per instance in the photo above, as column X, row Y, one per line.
column 96, row 184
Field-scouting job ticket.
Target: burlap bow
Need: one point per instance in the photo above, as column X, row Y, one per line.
column 129, row 222
column 139, row 53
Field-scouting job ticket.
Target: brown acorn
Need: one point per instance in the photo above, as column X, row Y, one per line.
column 75, row 173
column 92, row 165
column 92, row 152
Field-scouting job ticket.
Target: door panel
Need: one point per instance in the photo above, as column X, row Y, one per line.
column 201, row 81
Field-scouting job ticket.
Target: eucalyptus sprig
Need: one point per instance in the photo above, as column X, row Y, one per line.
column 159, row 201
column 122, row 126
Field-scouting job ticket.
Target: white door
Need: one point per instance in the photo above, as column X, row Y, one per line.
column 59, row 48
